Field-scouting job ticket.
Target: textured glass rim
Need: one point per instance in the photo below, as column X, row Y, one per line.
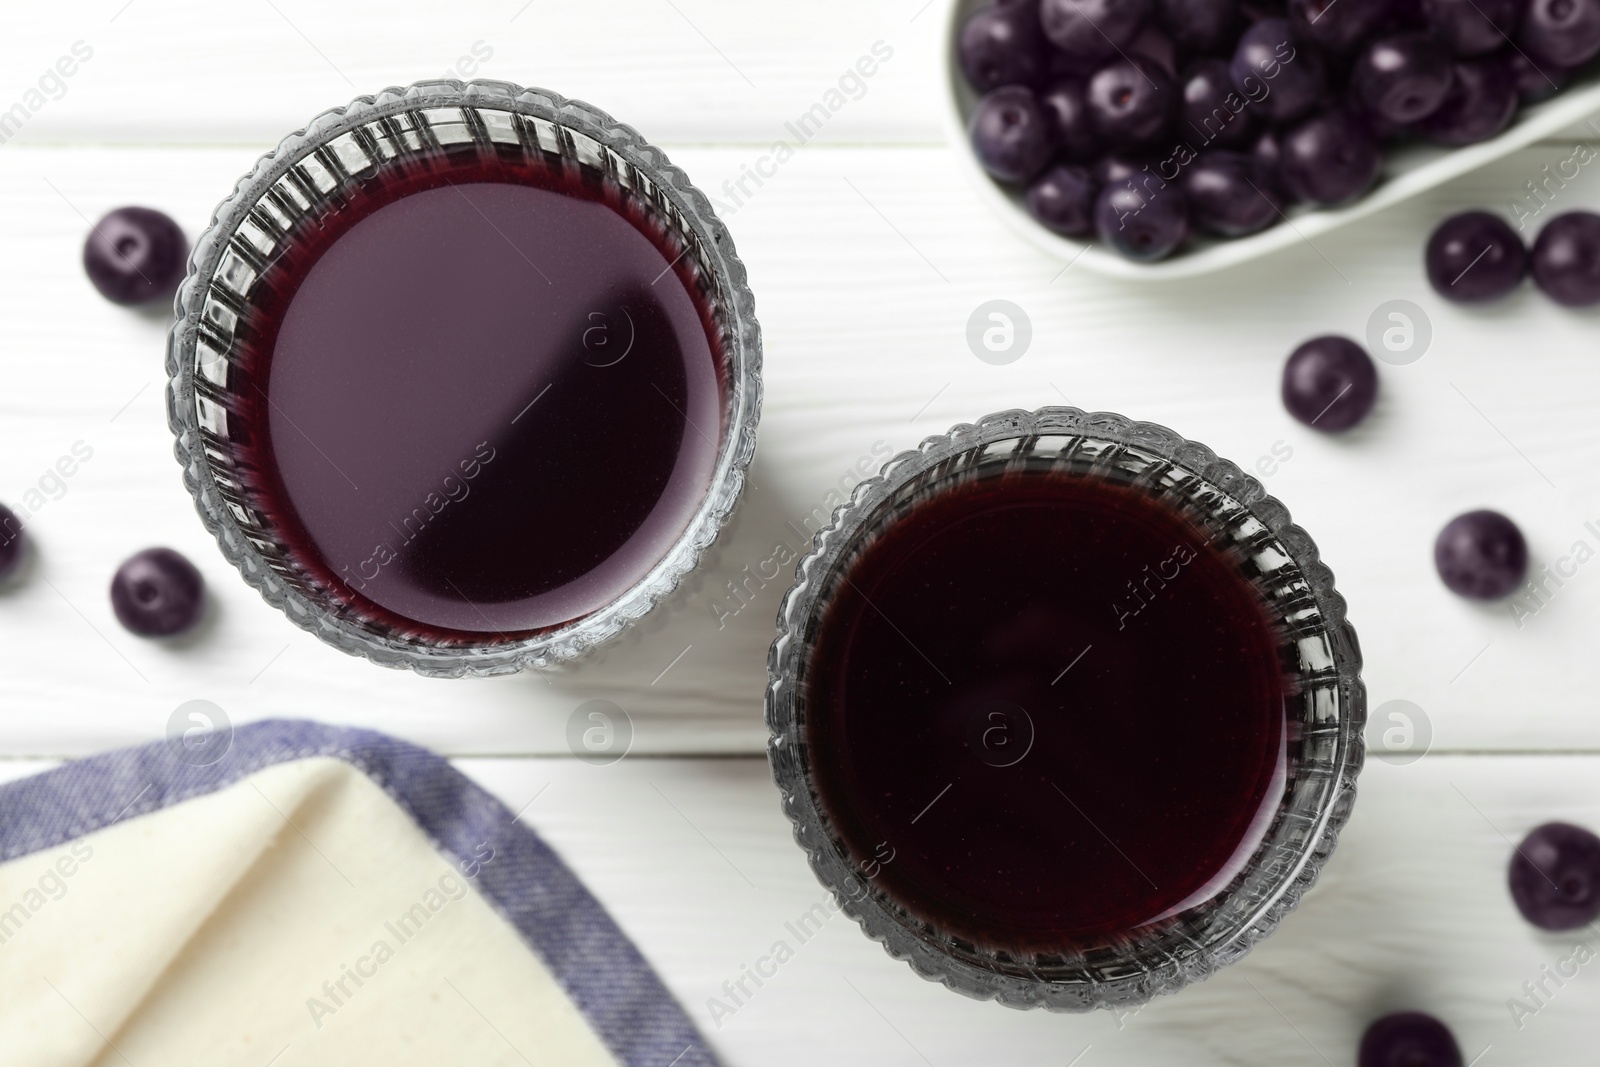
column 1113, row 980
column 615, row 143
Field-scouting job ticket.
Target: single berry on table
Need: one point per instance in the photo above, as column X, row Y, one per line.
column 1330, row 383
column 1475, row 257
column 1566, row 259
column 1555, row 877
column 1408, row 1039
column 1481, row 555
column 157, row 593
column 135, row 255
column 10, row 542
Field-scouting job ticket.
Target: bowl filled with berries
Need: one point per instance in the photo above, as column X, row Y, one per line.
column 1172, row 138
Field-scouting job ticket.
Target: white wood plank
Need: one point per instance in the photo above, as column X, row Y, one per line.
column 703, row 71
column 866, row 264
column 185, row 71
column 1412, row 913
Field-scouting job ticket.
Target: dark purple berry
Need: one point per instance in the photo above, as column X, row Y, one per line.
column 1481, row 555
column 10, row 542
column 1002, row 46
column 1267, row 154
column 1407, row 15
column 157, row 593
column 1555, row 877
column 1058, row 66
column 1062, row 198
column 1153, row 44
column 1012, row 134
column 1200, row 25
column 1383, row 130
column 1330, row 383
column 1408, row 1039
column 1091, row 31
column 1131, row 102
column 1534, row 81
column 1142, row 224
column 1287, row 81
column 1329, row 159
column 1475, row 257
column 1336, row 25
column 1214, row 112
column 1482, row 101
column 1566, row 259
column 1074, row 132
column 1474, row 27
column 1227, row 196
column 1561, row 33
column 135, row 255
column 1118, row 169
column 1404, row 77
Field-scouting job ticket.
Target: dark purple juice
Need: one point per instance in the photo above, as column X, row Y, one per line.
column 487, row 399
column 1057, row 706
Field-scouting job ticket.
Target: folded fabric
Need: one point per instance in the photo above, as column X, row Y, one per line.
column 317, row 896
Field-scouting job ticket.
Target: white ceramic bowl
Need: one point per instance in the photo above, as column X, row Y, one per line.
column 1407, row 171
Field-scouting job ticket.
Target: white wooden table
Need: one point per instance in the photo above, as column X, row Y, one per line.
column 867, row 254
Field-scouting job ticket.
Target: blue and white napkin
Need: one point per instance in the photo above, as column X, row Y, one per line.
column 317, row 896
